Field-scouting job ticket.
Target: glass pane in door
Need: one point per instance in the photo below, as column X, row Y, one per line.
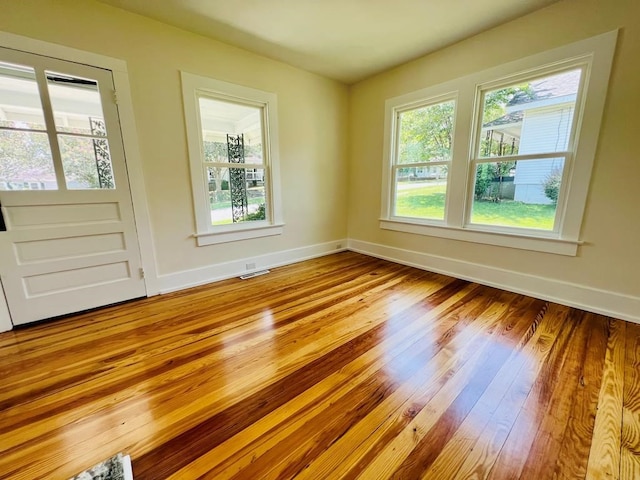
column 20, row 105
column 86, row 162
column 25, row 155
column 25, row 161
column 76, row 103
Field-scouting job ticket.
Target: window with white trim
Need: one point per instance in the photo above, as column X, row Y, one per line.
column 232, row 137
column 503, row 156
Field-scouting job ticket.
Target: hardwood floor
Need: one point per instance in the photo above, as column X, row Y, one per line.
column 344, row 366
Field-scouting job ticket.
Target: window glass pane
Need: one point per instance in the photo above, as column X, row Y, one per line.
column 236, row 195
column 530, row 117
column 86, row 162
column 231, row 132
column 76, row 103
column 25, row 161
column 421, row 192
column 517, row 194
column 426, row 133
column 20, row 105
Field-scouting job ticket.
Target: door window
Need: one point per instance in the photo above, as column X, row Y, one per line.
column 53, row 134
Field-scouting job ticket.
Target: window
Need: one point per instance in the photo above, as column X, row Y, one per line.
column 232, row 136
column 503, row 156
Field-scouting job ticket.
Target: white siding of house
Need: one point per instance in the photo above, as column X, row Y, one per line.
column 543, row 130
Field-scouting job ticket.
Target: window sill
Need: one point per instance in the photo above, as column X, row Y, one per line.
column 512, row 240
column 235, row 233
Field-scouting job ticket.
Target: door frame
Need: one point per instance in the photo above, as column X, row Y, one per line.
column 133, row 159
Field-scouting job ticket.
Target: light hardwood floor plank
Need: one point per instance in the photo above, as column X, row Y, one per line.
column 604, row 457
column 630, row 448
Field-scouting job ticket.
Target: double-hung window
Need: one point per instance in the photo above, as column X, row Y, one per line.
column 503, row 156
column 232, row 137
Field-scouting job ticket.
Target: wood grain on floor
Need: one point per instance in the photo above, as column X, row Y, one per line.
column 344, row 366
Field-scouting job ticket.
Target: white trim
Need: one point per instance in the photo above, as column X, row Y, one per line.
column 594, row 56
column 5, row 317
column 604, row 302
column 221, row 271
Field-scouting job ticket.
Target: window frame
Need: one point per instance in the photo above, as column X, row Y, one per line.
column 595, row 56
column 195, row 87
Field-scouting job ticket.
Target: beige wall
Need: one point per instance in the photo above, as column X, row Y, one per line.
column 312, row 121
column 610, row 259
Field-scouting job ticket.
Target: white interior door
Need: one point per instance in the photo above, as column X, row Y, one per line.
column 69, row 240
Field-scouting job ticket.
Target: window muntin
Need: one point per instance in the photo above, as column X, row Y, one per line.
column 422, row 159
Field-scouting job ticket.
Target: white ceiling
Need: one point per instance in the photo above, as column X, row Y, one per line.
column 347, row 40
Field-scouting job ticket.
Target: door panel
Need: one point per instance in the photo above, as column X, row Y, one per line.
column 70, row 242
column 34, row 251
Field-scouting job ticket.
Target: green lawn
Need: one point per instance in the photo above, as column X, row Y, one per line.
column 428, row 202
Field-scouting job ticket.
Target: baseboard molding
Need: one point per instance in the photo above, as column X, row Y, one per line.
column 625, row 307
column 221, row 271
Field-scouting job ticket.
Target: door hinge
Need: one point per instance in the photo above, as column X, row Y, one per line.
column 115, row 97
column 141, row 270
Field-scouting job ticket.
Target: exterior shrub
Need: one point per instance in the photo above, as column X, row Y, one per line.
column 552, row 185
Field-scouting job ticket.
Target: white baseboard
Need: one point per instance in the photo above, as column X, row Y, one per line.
column 221, row 271
column 625, row 307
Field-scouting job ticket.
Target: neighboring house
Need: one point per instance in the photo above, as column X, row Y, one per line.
column 537, row 122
